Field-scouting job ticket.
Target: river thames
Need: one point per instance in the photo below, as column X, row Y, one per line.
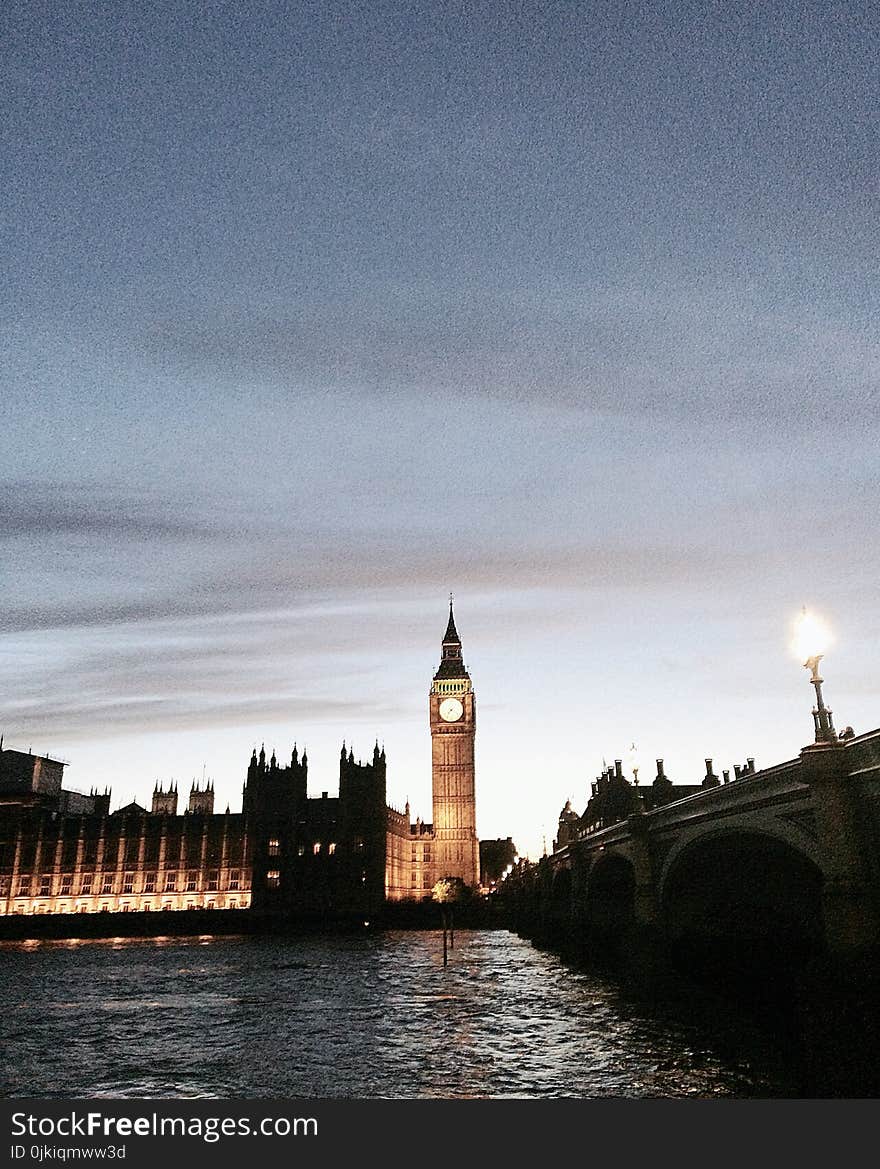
column 355, row 1016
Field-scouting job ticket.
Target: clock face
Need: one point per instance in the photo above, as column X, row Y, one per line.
column 451, row 710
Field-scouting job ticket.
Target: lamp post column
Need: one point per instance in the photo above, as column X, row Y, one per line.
column 824, row 724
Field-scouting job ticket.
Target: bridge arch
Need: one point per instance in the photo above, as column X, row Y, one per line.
column 556, row 909
column 744, row 906
column 560, row 890
column 609, row 905
column 797, row 839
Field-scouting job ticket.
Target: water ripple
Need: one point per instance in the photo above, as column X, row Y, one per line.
column 367, row 1016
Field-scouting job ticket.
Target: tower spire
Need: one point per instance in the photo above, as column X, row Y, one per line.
column 451, row 663
column 451, row 634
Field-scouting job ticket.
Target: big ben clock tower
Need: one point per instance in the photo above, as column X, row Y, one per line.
column 453, row 716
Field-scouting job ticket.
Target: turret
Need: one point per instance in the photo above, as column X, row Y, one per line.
column 362, row 821
column 100, row 801
column 201, row 800
column 164, row 802
column 362, row 781
column 273, row 786
column 569, row 822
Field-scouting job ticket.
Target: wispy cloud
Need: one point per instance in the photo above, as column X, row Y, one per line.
column 42, row 511
column 688, row 351
column 71, row 563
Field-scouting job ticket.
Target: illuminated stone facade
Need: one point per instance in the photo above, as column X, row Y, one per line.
column 286, row 853
column 419, row 854
column 62, row 852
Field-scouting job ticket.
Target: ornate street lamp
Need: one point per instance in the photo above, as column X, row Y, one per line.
column 812, row 636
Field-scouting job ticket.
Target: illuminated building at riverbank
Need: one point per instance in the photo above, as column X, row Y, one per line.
column 65, row 852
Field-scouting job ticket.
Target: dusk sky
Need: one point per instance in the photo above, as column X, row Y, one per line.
column 313, row 313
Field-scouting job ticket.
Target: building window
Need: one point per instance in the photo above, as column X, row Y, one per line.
column 128, row 883
column 107, row 884
column 234, row 878
column 427, row 854
column 46, row 886
column 274, row 846
column 148, row 905
column 85, row 885
column 273, row 879
column 4, row 886
column 150, row 883
column 66, row 883
column 213, row 880
column 24, row 886
column 192, row 882
column 426, row 881
column 331, row 847
column 233, row 904
column 316, row 847
column 166, row 905
column 125, row 907
column 171, row 882
column 414, row 878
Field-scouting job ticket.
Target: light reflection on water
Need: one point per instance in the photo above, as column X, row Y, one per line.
column 372, row 1015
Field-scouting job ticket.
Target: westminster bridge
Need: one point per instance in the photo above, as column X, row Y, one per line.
column 770, row 882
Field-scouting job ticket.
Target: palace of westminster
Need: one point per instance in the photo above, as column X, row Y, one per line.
column 63, row 852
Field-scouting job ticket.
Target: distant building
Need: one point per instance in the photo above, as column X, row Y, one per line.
column 25, row 775
column 496, row 857
column 613, row 797
column 62, row 852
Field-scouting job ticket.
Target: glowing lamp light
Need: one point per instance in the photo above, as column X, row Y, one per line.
column 811, row 637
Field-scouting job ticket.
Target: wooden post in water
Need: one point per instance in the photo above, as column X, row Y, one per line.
column 445, row 892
